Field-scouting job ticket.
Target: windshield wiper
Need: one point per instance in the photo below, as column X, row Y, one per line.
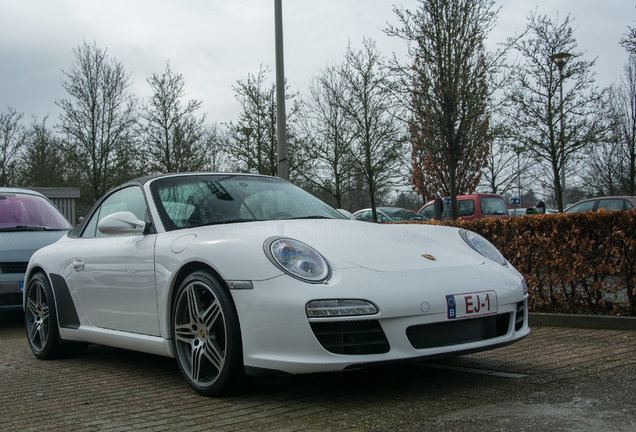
column 311, row 217
column 229, row 221
column 24, row 228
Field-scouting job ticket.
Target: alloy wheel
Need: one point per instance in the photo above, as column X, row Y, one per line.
column 200, row 333
column 37, row 314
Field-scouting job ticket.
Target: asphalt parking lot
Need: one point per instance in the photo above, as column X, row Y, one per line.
column 559, row 379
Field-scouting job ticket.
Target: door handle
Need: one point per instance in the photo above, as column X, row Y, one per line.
column 78, row 264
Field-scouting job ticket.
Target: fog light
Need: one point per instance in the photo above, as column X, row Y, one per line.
column 331, row 308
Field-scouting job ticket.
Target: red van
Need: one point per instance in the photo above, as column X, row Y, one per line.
column 475, row 206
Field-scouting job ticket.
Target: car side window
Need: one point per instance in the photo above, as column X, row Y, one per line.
column 382, row 218
column 610, row 204
column 129, row 199
column 91, row 226
column 493, row 206
column 364, row 216
column 428, row 211
column 465, row 207
column 582, row 207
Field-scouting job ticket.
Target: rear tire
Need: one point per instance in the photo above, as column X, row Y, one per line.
column 40, row 318
column 206, row 335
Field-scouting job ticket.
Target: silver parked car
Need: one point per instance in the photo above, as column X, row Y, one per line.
column 608, row 203
column 388, row 215
column 28, row 221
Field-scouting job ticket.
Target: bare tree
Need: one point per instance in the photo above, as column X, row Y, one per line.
column 251, row 141
column 446, row 86
column 552, row 129
column 629, row 40
column 328, row 136
column 214, row 142
column 626, row 114
column 372, row 111
column 173, row 132
column 42, row 161
column 612, row 165
column 97, row 121
column 11, row 140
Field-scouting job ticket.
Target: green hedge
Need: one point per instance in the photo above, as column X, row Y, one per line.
column 573, row 263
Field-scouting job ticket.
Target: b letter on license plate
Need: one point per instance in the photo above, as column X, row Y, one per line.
column 471, row 304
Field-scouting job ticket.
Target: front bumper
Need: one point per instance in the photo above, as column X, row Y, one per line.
column 11, row 286
column 412, row 320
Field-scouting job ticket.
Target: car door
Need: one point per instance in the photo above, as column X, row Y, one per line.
column 113, row 277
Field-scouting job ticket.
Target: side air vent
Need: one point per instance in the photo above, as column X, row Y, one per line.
column 520, row 315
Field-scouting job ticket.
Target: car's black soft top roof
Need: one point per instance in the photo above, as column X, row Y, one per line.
column 145, row 179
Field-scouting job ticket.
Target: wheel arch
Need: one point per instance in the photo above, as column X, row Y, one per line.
column 27, row 278
column 184, row 272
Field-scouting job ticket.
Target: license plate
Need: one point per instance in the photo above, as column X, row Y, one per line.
column 21, row 286
column 471, row 304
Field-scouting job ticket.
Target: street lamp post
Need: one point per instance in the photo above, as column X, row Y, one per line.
column 560, row 60
column 281, row 127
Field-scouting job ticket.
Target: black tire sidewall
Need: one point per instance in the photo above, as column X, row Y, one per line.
column 233, row 365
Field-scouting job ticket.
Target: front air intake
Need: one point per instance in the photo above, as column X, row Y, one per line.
column 458, row 332
column 351, row 337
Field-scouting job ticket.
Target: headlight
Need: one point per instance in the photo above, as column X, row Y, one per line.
column 483, row 246
column 297, row 259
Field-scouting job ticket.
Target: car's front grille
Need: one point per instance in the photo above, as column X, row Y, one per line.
column 351, row 337
column 520, row 315
column 12, row 299
column 458, row 332
column 13, row 267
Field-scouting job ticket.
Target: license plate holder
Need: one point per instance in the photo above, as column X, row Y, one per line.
column 471, row 304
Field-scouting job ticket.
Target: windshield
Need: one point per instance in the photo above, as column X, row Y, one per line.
column 189, row 201
column 20, row 211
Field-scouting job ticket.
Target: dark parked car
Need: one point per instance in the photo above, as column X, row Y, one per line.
column 475, row 206
column 28, row 221
column 609, row 203
column 388, row 214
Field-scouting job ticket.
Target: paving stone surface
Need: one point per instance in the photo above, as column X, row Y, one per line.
column 556, row 379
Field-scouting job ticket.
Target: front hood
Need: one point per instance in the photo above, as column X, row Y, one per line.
column 379, row 247
column 18, row 246
column 385, row 247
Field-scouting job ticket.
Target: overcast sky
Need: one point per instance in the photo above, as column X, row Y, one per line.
column 214, row 43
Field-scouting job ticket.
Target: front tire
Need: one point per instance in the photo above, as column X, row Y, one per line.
column 206, row 335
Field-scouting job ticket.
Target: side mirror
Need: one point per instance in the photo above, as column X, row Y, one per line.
column 346, row 214
column 121, row 223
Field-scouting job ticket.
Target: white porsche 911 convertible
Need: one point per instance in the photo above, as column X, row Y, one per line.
column 239, row 273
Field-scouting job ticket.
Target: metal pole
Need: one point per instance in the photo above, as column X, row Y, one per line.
column 281, row 127
column 560, row 60
column 563, row 202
